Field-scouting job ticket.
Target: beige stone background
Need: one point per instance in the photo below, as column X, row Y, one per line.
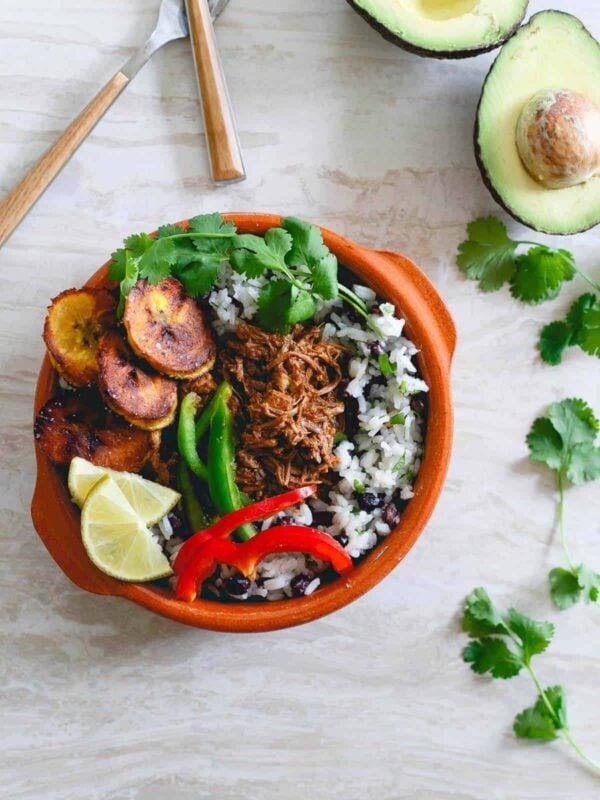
column 99, row 699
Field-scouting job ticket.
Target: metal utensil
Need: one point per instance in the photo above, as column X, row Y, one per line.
column 171, row 25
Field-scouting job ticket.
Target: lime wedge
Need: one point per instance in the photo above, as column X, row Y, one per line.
column 117, row 539
column 149, row 500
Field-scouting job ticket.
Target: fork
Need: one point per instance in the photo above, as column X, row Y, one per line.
column 171, row 24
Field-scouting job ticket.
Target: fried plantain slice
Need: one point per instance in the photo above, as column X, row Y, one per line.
column 79, row 425
column 168, row 329
column 76, row 320
column 145, row 399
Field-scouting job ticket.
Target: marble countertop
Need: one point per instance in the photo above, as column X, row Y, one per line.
column 103, row 701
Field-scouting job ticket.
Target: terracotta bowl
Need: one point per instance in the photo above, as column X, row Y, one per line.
column 428, row 324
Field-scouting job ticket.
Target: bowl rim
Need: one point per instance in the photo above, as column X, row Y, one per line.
column 428, row 324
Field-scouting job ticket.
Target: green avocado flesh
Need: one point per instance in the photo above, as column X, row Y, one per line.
column 445, row 26
column 552, row 50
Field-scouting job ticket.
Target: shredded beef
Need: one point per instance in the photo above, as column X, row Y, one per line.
column 289, row 405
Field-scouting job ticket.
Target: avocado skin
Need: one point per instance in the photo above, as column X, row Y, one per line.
column 484, row 173
column 469, row 52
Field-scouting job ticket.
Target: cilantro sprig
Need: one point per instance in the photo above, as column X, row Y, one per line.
column 580, row 328
column 490, row 256
column 565, row 441
column 300, row 266
column 504, row 645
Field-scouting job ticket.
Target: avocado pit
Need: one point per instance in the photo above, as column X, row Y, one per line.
column 558, row 138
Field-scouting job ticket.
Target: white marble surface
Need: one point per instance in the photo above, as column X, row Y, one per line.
column 102, row 701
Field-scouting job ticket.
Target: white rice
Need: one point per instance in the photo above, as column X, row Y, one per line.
column 384, row 456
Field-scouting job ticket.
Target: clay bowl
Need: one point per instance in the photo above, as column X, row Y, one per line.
column 428, row 324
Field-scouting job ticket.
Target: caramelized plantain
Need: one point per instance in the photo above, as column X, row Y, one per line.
column 76, row 320
column 79, row 425
column 145, row 399
column 168, row 329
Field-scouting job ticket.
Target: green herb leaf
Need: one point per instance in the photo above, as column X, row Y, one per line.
column 540, row 273
column 302, row 306
column 274, row 302
column 538, row 722
column 308, row 248
column 385, row 365
column 535, row 636
column 212, row 223
column 564, row 588
column 138, row 244
column 130, row 278
column 155, row 263
column 564, row 440
column 488, row 255
column 481, row 617
column 588, row 337
column 253, row 255
column 358, row 487
column 325, row 277
column 398, row 419
column 554, row 340
column 494, row 656
column 589, row 583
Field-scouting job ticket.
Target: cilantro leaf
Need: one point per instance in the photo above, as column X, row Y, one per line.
column 130, row 278
column 481, row 617
column 302, row 306
column 535, row 636
column 539, row 721
column 589, row 335
column 117, row 267
column 307, row 248
column 325, row 277
column 545, row 443
column 581, row 327
column 138, row 244
column 212, row 223
column 540, row 273
column 252, row 255
column 274, row 301
column 564, row 440
column 156, row 261
column 169, row 230
column 494, row 656
column 488, row 255
column 198, row 278
column 554, row 340
column 385, row 365
column 589, row 583
column 564, row 588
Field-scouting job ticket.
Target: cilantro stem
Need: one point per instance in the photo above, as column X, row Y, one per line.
column 564, row 731
column 561, row 521
column 587, row 279
column 201, row 235
column 590, row 761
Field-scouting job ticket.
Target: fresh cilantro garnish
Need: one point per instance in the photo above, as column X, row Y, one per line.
column 503, row 645
column 565, row 441
column 398, row 419
column 385, row 365
column 490, row 256
column 580, row 328
column 359, row 487
column 339, row 437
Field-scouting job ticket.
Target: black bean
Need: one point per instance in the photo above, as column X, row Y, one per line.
column 399, row 502
column 353, row 315
column 376, row 310
column 418, row 403
column 285, row 519
column 370, row 501
column 377, row 349
column 300, row 584
column 390, row 515
column 175, row 520
column 237, row 585
column 342, row 539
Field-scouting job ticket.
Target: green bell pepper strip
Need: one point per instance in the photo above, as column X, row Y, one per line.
column 224, row 391
column 196, row 515
column 223, row 489
column 186, row 435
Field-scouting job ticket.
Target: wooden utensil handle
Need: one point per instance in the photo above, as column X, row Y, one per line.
column 224, row 150
column 20, row 199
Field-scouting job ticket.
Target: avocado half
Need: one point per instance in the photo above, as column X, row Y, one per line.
column 444, row 28
column 551, row 58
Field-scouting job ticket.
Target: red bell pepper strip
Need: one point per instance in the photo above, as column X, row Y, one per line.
column 224, row 527
column 246, row 556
